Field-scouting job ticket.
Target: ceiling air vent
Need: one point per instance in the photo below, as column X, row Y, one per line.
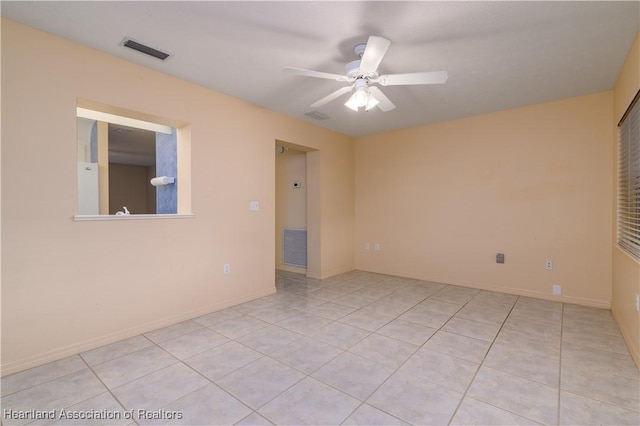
column 145, row 49
column 317, row 115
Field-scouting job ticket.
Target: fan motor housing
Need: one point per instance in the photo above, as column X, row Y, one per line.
column 352, row 69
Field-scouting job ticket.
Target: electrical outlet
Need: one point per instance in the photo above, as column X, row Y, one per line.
column 557, row 290
column 227, row 269
column 367, row 246
column 376, row 247
column 637, row 302
column 254, row 206
column 548, row 265
column 499, row 257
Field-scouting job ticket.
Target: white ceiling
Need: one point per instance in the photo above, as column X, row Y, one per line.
column 499, row 55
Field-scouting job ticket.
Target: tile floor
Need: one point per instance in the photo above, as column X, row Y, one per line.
column 359, row 348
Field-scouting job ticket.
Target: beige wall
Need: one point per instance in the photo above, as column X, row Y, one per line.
column 291, row 203
column 534, row 183
column 626, row 270
column 70, row 286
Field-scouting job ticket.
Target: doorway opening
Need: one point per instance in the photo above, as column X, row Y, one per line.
column 296, row 232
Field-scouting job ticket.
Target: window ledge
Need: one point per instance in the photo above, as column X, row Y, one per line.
column 82, row 218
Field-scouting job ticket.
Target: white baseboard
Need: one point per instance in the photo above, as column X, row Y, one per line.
column 633, row 349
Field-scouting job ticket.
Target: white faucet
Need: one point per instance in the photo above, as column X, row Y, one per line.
column 124, row 213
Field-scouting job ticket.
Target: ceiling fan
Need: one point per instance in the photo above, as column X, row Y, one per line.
column 362, row 74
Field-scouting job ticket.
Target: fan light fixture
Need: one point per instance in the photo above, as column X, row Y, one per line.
column 361, row 97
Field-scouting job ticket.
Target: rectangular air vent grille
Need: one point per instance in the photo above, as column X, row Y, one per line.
column 294, row 247
column 145, row 49
column 317, row 115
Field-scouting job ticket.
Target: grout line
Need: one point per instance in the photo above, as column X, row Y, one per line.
column 475, row 374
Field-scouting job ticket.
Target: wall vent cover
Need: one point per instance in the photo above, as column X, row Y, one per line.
column 145, row 49
column 294, row 247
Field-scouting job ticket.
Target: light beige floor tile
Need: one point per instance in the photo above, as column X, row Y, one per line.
column 483, row 313
column 386, row 306
column 418, row 291
column 208, row 405
column 442, row 369
column 455, row 294
column 576, row 357
column 217, row 316
column 303, row 304
column 340, row 335
column 275, row 313
column 222, row 360
column 415, row 401
column 477, row 330
column 520, row 396
column 115, row 350
column 367, row 415
column 304, row 323
column 532, row 314
column 309, row 402
column 130, row 367
column 494, row 298
column 254, row 305
column 424, row 316
column 56, row 394
column 539, row 304
column 440, row 306
column 354, row 375
column 587, row 312
column 357, row 299
column 332, row 311
column 590, row 340
column 306, row 355
column 254, row 419
column 258, row 382
column 384, row 350
column 191, row 344
column 366, row 320
column 409, row 332
column 531, row 366
column 160, row 388
column 474, row 412
column 99, row 410
column 599, row 383
column 269, row 339
column 173, row 331
column 532, row 326
column 578, row 410
column 536, row 344
column 328, row 294
column 351, row 285
column 238, row 326
column 578, row 325
column 463, row 347
column 618, row 390
column 38, row 375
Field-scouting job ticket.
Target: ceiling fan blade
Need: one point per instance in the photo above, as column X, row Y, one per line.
column 317, row 74
column 331, row 96
column 376, row 49
column 385, row 104
column 434, row 77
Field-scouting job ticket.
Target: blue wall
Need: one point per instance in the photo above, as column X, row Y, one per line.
column 167, row 165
